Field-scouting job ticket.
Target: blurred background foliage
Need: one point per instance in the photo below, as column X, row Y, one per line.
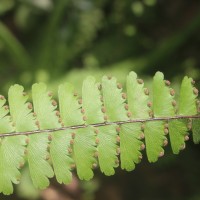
column 66, row 40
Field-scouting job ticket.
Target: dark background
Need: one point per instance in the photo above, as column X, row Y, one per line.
column 67, row 40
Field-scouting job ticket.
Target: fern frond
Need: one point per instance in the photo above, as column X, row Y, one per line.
column 106, row 127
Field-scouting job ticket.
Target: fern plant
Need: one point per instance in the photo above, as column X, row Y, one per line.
column 104, row 128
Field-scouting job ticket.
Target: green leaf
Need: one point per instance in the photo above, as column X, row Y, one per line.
column 61, row 157
column 84, row 149
column 130, row 145
column 69, row 106
column 137, row 99
column 11, row 151
column 162, row 100
column 107, row 149
column 187, row 98
column 113, row 101
column 22, row 117
column 196, row 130
column 91, row 101
column 154, row 139
column 177, row 133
